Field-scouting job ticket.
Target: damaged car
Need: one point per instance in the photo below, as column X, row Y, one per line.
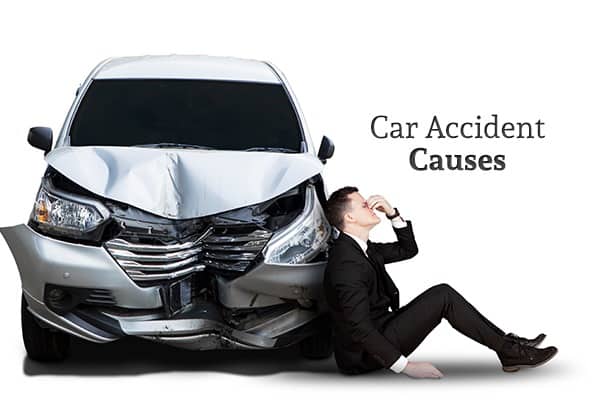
column 182, row 203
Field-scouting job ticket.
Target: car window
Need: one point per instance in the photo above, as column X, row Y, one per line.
column 224, row 115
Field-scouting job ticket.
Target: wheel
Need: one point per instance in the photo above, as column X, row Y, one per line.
column 42, row 344
column 318, row 346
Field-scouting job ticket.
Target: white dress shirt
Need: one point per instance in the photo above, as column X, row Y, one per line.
column 398, row 222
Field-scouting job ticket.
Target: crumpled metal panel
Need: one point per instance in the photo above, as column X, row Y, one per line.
column 183, row 183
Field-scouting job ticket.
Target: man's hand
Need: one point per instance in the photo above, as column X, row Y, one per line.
column 379, row 203
column 421, row 370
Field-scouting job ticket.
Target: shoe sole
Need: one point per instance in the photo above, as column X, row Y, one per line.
column 515, row 368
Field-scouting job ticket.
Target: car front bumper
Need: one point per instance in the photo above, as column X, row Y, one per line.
column 42, row 260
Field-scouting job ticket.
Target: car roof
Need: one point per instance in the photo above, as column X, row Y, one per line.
column 176, row 66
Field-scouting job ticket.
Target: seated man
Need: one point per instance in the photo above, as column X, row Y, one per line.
column 358, row 291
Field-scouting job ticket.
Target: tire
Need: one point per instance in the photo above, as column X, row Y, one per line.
column 42, row 344
column 319, row 346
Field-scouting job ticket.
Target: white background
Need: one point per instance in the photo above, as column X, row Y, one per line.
column 520, row 244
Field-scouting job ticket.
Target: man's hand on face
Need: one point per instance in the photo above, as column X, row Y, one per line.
column 421, row 370
column 379, row 203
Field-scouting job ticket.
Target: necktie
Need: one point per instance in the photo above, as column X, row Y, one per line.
column 371, row 256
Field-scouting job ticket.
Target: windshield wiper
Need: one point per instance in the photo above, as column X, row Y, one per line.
column 177, row 145
column 278, row 149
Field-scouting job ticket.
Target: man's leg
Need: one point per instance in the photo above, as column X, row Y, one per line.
column 414, row 321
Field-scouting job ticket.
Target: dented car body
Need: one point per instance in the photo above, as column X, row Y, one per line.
column 182, row 203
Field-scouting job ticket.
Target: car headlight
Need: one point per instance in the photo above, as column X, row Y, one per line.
column 64, row 214
column 302, row 239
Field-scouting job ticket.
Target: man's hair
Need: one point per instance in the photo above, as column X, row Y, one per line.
column 337, row 205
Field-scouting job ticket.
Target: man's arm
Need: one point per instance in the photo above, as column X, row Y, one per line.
column 350, row 283
column 402, row 249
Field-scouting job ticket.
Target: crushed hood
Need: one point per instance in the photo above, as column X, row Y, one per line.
column 183, row 183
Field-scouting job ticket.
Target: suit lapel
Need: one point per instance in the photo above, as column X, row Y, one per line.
column 344, row 236
column 350, row 240
column 375, row 256
column 388, row 283
column 376, row 260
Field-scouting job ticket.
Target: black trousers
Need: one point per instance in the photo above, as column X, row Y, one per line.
column 409, row 326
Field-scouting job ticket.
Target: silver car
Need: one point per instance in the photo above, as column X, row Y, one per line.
column 182, row 203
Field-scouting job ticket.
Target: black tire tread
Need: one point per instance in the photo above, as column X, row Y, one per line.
column 319, row 346
column 42, row 344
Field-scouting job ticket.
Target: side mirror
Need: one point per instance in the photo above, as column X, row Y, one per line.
column 40, row 137
column 325, row 149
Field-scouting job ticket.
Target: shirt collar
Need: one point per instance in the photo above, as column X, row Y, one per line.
column 363, row 245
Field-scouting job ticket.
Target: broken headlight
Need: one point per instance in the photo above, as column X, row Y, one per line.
column 304, row 238
column 64, row 214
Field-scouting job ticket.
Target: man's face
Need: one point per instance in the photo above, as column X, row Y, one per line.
column 359, row 211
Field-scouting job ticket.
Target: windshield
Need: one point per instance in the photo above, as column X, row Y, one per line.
column 214, row 114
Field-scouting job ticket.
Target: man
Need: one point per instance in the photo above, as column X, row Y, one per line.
column 359, row 292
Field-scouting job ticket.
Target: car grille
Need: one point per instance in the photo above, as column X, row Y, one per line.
column 222, row 248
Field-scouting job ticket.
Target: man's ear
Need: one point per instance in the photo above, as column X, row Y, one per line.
column 348, row 218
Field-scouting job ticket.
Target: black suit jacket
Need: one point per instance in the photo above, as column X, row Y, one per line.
column 358, row 291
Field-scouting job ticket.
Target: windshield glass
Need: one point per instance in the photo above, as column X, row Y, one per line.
column 224, row 115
